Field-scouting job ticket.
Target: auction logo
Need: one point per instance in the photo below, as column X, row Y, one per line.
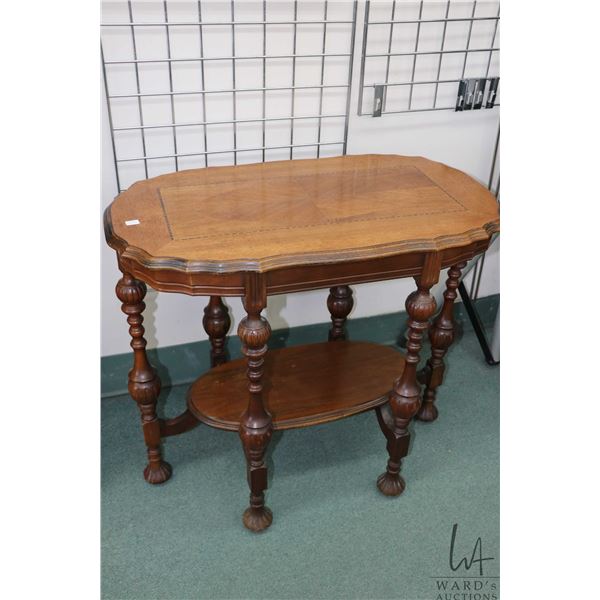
column 468, row 580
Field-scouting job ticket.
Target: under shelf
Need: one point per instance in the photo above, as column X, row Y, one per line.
column 302, row 385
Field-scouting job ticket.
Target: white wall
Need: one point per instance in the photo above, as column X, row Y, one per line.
column 462, row 140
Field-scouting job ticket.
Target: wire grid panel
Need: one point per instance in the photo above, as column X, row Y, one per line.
column 204, row 83
column 419, row 52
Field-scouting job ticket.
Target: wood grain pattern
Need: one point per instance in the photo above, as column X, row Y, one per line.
column 302, row 385
column 283, row 214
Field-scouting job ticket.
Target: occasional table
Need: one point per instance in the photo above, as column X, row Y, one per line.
column 257, row 230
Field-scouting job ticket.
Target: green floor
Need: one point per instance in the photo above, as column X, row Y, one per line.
column 333, row 534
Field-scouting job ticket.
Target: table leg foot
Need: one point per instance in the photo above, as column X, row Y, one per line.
column 158, row 472
column 390, row 484
column 257, row 518
column 428, row 412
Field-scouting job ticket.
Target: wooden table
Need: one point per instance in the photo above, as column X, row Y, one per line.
column 281, row 227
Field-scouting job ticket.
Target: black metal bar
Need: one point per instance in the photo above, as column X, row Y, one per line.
column 477, row 325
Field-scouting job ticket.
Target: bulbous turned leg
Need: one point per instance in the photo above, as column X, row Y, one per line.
column 404, row 400
column 144, row 383
column 216, row 323
column 339, row 303
column 256, row 426
column 441, row 336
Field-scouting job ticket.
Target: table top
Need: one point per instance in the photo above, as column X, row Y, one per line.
column 268, row 216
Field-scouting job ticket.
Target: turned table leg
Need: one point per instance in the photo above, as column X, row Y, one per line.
column 256, row 427
column 339, row 303
column 404, row 398
column 441, row 336
column 144, row 383
column 216, row 323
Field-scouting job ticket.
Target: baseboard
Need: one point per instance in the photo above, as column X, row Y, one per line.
column 183, row 363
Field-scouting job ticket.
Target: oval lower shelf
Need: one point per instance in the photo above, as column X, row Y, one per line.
column 302, row 386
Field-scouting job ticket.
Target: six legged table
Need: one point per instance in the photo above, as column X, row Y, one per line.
column 256, row 230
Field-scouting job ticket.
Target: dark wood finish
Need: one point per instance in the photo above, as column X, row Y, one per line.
column 405, row 396
column 280, row 227
column 256, row 427
column 297, row 279
column 441, row 336
column 144, row 383
column 179, row 424
column 304, row 385
column 339, row 303
column 216, row 323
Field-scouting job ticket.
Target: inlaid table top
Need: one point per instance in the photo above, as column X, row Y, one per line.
column 268, row 216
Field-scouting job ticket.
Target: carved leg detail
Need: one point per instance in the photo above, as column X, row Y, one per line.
column 441, row 336
column 216, row 323
column 404, row 398
column 256, row 427
column 144, row 383
column 391, row 483
column 339, row 303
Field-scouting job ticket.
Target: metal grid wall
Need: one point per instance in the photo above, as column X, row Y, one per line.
column 420, row 51
column 196, row 84
column 494, row 187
